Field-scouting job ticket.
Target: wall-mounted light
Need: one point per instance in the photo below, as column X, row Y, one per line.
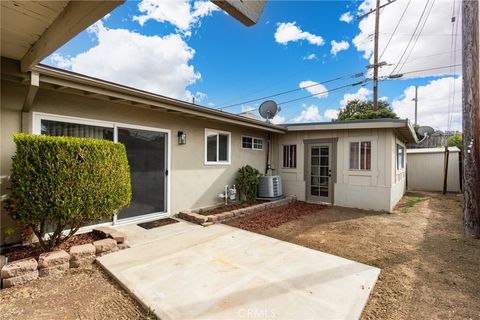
column 182, row 137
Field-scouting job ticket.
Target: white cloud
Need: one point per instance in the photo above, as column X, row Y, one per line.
column 346, row 17
column 339, row 46
column 362, row 94
column 151, row 63
column 278, row 119
column 314, row 88
column 433, row 46
column 183, row 14
column 289, row 31
column 434, row 103
column 311, row 56
column 331, row 114
column 309, row 114
column 200, row 97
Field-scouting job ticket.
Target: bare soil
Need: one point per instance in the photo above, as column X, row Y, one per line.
column 430, row 270
column 274, row 217
column 84, row 293
column 34, row 250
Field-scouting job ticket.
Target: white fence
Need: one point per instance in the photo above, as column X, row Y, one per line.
column 425, row 169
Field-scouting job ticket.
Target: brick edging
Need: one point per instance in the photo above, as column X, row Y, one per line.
column 57, row 262
column 206, row 220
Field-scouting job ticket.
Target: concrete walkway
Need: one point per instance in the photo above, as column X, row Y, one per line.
column 185, row 271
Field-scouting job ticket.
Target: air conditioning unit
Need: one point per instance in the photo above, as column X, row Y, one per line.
column 270, row 187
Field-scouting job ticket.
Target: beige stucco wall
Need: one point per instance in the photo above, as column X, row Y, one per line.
column 426, row 171
column 361, row 189
column 193, row 184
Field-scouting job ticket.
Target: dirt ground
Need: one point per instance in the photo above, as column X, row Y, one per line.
column 84, row 293
column 429, row 269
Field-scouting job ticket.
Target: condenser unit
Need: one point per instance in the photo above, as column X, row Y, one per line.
column 270, row 187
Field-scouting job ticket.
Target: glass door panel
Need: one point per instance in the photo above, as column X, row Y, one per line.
column 147, row 154
column 320, row 173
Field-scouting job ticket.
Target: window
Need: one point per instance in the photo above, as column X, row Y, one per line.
column 400, row 157
column 217, row 147
column 360, row 155
column 68, row 129
column 252, row 143
column 290, row 156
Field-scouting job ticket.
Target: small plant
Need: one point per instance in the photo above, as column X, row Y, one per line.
column 63, row 183
column 247, row 182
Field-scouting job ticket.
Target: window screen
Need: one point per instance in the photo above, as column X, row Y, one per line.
column 290, row 156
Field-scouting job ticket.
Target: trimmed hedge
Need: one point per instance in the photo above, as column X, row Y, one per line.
column 66, row 183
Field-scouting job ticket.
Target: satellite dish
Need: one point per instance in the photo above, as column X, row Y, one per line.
column 268, row 109
column 425, row 131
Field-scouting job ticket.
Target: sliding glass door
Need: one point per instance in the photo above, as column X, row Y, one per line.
column 146, row 152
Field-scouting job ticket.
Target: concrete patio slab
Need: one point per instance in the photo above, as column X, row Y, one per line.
column 185, row 271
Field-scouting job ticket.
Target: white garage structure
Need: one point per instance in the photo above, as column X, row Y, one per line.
column 425, row 169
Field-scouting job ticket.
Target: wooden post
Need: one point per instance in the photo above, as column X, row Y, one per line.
column 445, row 169
column 471, row 118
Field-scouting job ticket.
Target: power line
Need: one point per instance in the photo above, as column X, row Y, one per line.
column 420, row 70
column 411, row 38
column 395, row 30
column 354, row 75
column 324, row 92
column 418, row 36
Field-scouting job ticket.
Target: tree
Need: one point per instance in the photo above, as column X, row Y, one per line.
column 455, row 140
column 357, row 109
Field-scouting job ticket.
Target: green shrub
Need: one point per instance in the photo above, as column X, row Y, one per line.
column 66, row 183
column 247, row 182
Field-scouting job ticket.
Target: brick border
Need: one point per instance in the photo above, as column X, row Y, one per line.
column 206, row 220
column 57, row 262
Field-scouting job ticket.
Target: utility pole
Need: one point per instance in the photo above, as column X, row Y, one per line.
column 416, row 104
column 471, row 118
column 375, row 57
column 376, row 64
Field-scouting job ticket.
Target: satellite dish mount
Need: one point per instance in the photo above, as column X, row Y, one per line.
column 268, row 110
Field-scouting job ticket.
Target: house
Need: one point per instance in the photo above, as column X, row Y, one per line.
column 182, row 155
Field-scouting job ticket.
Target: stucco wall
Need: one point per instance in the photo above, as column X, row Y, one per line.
column 361, row 189
column 193, row 184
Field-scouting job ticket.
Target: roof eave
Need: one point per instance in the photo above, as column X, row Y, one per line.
column 61, row 78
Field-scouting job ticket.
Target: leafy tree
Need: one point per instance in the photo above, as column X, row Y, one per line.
column 455, row 141
column 357, row 109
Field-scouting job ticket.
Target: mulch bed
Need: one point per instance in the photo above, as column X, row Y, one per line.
column 21, row 252
column 274, row 217
column 228, row 207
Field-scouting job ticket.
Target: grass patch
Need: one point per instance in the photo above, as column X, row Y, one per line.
column 411, row 202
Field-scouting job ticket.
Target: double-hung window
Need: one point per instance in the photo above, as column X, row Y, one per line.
column 217, row 147
column 290, row 156
column 252, row 143
column 361, row 155
column 400, row 157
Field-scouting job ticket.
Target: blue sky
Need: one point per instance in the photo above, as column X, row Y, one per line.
column 188, row 49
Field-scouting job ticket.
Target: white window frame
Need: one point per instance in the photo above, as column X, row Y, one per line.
column 37, row 118
column 289, row 155
column 359, row 142
column 253, row 143
column 404, row 151
column 229, row 154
